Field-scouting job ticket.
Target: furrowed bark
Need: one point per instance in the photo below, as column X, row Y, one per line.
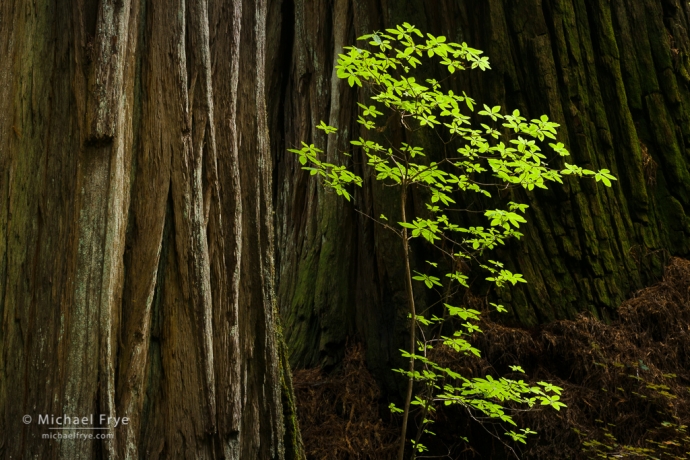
column 226, row 56
column 136, row 272
column 150, row 205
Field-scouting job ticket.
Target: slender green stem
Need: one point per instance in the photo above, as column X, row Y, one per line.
column 413, row 325
column 429, row 388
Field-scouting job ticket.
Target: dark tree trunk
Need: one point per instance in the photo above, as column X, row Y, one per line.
column 136, row 232
column 614, row 73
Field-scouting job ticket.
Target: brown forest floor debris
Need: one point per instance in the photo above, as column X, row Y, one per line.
column 339, row 413
column 626, row 384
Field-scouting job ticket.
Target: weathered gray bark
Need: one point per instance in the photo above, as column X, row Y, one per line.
column 136, row 235
column 614, row 73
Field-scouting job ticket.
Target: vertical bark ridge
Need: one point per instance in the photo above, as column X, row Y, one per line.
column 225, row 46
column 257, row 302
column 188, row 314
column 204, row 145
column 106, row 82
column 101, row 208
column 151, row 187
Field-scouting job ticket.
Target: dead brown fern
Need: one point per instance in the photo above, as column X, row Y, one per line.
column 339, row 413
column 622, row 380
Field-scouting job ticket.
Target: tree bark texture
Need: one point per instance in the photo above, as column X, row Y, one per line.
column 136, row 231
column 614, row 73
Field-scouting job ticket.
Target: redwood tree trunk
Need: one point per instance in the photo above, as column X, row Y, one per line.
column 136, row 235
column 614, row 73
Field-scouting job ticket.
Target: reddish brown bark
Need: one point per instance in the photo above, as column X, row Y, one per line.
column 136, row 236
